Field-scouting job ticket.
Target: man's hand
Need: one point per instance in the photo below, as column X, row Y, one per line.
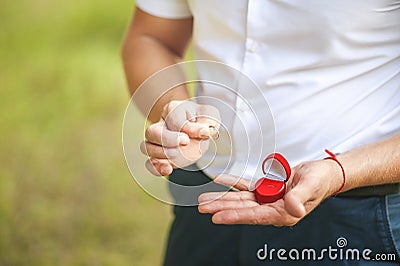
column 309, row 185
column 181, row 136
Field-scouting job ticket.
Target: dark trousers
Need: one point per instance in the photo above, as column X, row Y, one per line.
column 341, row 231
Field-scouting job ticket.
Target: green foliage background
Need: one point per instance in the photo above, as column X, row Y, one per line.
column 66, row 196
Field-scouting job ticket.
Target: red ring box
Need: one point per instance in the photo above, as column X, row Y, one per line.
column 272, row 186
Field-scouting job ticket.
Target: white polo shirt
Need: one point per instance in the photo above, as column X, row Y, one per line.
column 330, row 71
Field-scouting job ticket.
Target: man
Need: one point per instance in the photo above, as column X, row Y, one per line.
column 331, row 73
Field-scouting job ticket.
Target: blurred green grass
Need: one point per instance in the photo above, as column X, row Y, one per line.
column 66, row 196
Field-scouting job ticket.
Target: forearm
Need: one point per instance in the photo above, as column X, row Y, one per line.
column 142, row 57
column 373, row 164
column 151, row 44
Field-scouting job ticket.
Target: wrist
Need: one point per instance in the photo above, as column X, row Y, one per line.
column 336, row 180
column 332, row 157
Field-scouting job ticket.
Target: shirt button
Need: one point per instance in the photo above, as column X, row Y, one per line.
column 252, row 46
column 242, row 106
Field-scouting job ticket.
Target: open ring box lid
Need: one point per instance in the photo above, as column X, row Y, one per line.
column 272, row 186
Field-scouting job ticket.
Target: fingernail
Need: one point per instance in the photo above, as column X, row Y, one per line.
column 226, row 179
column 204, row 198
column 165, row 170
column 200, row 198
column 183, row 139
column 223, row 177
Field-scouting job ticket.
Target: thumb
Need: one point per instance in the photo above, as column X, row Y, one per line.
column 206, row 124
column 294, row 205
column 300, row 193
column 196, row 130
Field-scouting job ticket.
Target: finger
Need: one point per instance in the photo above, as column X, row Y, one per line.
column 297, row 200
column 207, row 122
column 177, row 113
column 193, row 119
column 233, row 181
column 196, row 130
column 229, row 196
column 158, row 152
column 294, row 206
column 152, row 168
column 238, row 216
column 158, row 133
column 163, row 166
column 209, row 115
column 263, row 215
column 221, row 205
column 158, row 167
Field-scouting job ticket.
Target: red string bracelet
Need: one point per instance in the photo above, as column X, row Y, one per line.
column 332, row 156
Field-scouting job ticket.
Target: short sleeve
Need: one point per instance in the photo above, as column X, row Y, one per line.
column 172, row 9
